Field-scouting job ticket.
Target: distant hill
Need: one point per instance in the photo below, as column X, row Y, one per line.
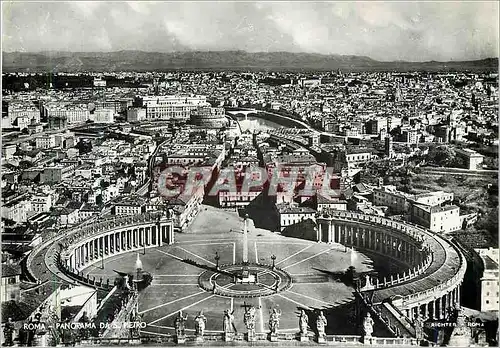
column 218, row 60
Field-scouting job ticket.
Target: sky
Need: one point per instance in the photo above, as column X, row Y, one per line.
column 387, row 31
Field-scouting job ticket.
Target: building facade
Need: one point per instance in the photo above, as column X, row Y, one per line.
column 489, row 280
column 209, row 117
column 171, row 107
column 438, row 219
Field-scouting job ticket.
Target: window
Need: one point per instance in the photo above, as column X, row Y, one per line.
column 12, row 280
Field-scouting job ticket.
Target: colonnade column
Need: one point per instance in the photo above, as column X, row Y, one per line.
column 408, row 252
column 443, row 309
column 159, row 234
column 436, row 309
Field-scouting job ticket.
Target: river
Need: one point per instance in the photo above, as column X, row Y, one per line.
column 253, row 123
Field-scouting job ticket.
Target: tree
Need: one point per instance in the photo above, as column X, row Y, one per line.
column 443, row 156
column 25, row 164
column 489, row 222
column 99, row 200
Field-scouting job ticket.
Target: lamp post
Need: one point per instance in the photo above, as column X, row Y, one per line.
column 273, row 258
column 217, row 258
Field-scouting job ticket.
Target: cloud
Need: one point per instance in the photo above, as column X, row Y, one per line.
column 381, row 30
column 87, row 8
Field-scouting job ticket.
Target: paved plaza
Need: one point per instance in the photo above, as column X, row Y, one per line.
column 175, row 283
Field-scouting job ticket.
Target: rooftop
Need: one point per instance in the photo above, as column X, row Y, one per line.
column 437, row 208
column 10, row 270
column 285, row 208
column 489, row 263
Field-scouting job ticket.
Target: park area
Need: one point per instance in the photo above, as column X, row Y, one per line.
column 316, row 271
column 473, row 194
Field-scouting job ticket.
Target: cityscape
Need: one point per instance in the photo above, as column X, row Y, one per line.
column 239, row 196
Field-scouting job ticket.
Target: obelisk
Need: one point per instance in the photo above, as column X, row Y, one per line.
column 245, row 240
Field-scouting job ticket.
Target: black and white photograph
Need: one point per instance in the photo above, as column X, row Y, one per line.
column 249, row 173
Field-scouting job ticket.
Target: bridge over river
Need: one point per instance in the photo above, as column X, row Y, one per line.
column 276, row 118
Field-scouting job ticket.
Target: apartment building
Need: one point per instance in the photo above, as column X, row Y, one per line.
column 432, row 198
column 136, row 114
column 489, row 280
column 21, row 114
column 71, row 113
column 57, row 174
column 41, row 203
column 102, row 116
column 11, row 280
column 16, row 207
column 45, row 142
column 290, row 214
column 129, row 205
column 437, row 219
column 390, row 197
column 329, row 203
column 472, row 159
